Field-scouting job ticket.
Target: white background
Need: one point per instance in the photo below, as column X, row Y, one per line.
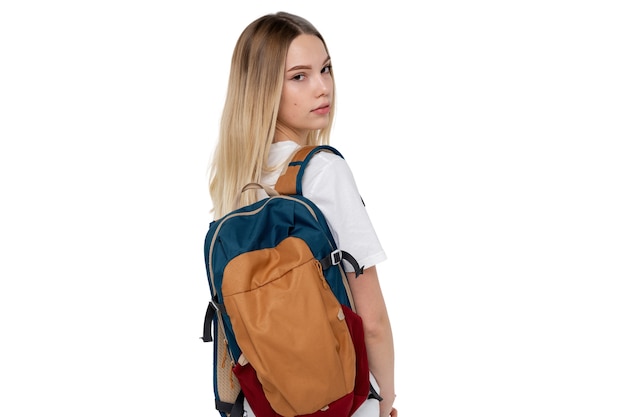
column 487, row 139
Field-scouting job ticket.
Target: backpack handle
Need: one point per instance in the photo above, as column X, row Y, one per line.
column 290, row 182
column 250, row 186
column 253, row 185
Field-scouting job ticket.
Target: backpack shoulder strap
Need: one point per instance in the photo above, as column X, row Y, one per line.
column 290, row 182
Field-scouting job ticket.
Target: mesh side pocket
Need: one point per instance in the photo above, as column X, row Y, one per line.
column 227, row 384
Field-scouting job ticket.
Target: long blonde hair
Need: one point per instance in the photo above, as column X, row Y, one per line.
column 249, row 117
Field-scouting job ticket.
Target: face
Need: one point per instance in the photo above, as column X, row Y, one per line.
column 307, row 90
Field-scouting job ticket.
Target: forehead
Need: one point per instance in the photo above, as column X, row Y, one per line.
column 306, row 50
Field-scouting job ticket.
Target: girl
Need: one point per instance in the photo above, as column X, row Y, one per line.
column 281, row 96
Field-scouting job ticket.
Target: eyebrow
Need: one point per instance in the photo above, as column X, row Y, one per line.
column 306, row 67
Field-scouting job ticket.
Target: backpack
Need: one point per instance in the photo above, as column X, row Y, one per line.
column 281, row 318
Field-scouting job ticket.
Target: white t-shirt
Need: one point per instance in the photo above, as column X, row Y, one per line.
column 328, row 182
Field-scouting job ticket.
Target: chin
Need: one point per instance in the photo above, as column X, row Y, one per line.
column 320, row 125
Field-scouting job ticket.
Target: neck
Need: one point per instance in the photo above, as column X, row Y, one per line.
column 284, row 133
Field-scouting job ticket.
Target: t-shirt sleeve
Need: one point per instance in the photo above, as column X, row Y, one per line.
column 329, row 183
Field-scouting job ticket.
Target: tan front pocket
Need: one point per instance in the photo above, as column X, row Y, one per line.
column 290, row 326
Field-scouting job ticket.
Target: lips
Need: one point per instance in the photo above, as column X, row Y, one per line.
column 324, row 109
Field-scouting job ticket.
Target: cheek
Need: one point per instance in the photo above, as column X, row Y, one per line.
column 292, row 102
column 289, row 106
column 287, row 111
column 290, row 97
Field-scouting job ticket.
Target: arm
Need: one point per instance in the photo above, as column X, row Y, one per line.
column 370, row 305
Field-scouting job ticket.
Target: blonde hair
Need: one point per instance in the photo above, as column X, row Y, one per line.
column 250, row 112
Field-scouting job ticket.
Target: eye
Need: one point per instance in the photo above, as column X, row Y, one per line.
column 298, row 77
column 327, row 69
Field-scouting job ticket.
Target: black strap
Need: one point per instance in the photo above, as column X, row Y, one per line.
column 337, row 256
column 374, row 394
column 208, row 319
column 234, row 410
column 237, row 410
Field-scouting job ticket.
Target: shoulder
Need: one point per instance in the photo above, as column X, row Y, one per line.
column 329, row 176
column 328, row 164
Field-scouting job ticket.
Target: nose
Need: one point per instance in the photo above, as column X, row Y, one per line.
column 324, row 85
